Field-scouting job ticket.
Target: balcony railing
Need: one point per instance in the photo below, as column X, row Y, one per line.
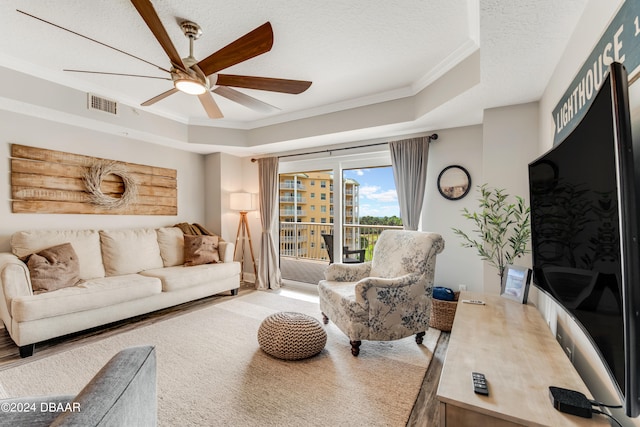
column 291, row 199
column 285, row 185
column 292, row 212
column 309, row 244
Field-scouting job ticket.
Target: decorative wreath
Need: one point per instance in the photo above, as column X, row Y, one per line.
column 97, row 173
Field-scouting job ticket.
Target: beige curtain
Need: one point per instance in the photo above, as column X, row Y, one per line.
column 269, row 276
column 409, row 160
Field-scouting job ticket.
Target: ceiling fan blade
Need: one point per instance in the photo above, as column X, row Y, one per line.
column 93, row 40
column 252, row 44
column 148, row 13
column 263, row 83
column 210, row 106
column 160, row 97
column 117, row 74
column 244, row 99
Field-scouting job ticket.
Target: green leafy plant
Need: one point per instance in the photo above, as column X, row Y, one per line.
column 502, row 229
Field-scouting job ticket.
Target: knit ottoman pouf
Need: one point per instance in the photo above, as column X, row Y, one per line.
column 291, row 336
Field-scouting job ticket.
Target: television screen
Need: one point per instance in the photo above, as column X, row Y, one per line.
column 584, row 228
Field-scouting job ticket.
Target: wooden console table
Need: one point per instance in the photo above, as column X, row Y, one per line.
column 512, row 345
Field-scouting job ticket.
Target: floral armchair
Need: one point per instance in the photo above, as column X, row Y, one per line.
column 388, row 298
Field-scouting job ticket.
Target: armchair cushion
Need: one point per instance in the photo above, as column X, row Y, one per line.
column 347, row 272
column 378, row 284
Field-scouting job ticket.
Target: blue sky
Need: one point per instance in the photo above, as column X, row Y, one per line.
column 378, row 195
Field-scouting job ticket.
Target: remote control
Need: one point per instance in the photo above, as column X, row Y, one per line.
column 479, row 383
column 473, row 301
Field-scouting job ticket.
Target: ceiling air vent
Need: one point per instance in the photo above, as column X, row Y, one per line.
column 95, row 102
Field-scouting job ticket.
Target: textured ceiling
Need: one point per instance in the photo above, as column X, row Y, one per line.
column 349, row 50
column 356, row 52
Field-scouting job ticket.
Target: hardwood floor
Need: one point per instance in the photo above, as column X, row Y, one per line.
column 424, row 413
column 426, row 410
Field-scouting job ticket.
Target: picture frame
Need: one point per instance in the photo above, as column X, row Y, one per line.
column 454, row 182
column 515, row 283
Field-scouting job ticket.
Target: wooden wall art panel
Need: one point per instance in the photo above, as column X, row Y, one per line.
column 48, row 181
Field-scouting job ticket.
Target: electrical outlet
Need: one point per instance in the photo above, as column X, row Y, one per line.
column 565, row 340
column 462, row 287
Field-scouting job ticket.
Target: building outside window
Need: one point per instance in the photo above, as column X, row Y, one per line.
column 322, row 209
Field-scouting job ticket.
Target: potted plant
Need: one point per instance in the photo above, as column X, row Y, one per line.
column 502, row 229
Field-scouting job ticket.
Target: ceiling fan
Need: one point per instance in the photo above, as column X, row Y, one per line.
column 202, row 77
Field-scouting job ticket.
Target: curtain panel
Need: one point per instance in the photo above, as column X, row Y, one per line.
column 409, row 160
column 269, row 275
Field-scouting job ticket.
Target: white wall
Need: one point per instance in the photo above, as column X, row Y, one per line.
column 226, row 174
column 510, row 142
column 26, row 130
column 496, row 153
column 456, row 265
column 594, row 21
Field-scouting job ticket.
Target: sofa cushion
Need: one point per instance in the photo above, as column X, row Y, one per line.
column 89, row 295
column 171, row 242
column 130, row 250
column 180, row 277
column 54, row 268
column 86, row 244
column 200, row 250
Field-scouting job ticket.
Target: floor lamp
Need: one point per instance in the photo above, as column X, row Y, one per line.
column 243, row 202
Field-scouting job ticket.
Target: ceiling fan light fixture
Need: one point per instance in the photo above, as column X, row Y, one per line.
column 191, row 87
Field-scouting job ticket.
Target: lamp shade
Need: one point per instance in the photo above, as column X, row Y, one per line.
column 241, row 202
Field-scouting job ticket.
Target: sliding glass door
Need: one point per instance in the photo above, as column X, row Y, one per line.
column 332, row 205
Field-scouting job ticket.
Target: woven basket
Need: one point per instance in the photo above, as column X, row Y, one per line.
column 443, row 312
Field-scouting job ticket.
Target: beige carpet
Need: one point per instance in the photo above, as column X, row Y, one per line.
column 211, row 371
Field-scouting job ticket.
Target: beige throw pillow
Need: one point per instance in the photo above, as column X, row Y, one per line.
column 54, row 268
column 129, row 251
column 200, row 250
column 171, row 241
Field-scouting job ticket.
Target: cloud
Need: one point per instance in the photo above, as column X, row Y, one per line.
column 376, row 193
column 379, row 210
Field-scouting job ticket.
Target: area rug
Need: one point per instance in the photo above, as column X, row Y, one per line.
column 211, row 371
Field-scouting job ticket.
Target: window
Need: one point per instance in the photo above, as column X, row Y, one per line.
column 347, row 199
column 370, row 195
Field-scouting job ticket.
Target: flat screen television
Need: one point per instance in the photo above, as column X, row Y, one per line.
column 584, row 195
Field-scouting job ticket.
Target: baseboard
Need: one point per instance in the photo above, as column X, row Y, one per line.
column 249, row 278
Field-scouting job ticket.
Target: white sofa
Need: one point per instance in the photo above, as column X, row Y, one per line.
column 123, row 273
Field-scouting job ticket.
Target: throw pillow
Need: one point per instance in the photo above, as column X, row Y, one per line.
column 54, row 268
column 128, row 251
column 200, row 250
column 171, row 242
